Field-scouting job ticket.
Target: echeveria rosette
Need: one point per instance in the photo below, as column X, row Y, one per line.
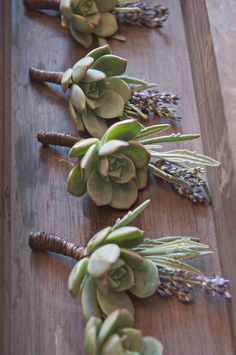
column 110, row 269
column 118, row 261
column 117, row 336
column 112, row 170
column 88, row 18
column 97, row 94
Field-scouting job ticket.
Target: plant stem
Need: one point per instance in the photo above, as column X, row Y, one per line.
column 42, row 4
column 41, row 76
column 50, row 242
column 60, row 139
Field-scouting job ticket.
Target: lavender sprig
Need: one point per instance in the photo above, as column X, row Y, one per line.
column 146, row 16
column 152, row 102
column 181, row 285
column 197, row 189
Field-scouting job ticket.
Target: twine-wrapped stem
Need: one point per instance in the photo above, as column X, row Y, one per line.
column 60, row 139
column 42, row 76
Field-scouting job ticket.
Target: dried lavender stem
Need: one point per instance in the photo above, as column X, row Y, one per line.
column 50, row 242
column 42, row 4
column 42, row 76
column 53, row 138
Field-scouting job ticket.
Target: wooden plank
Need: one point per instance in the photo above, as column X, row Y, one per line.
column 44, row 319
column 217, row 130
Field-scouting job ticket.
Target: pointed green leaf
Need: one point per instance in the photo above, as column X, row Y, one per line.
column 110, row 64
column 137, row 152
column 130, row 80
column 89, row 302
column 103, row 166
column 114, row 300
column 123, row 195
column 149, row 131
column 75, row 183
column 184, row 155
column 93, row 75
column 99, row 51
column 99, row 189
column 126, row 237
column 141, row 179
column 80, row 24
column 111, row 105
column 107, row 25
column 97, row 240
column 80, row 68
column 131, row 258
column 112, row 147
column 133, row 340
column 88, row 161
column 123, row 130
column 131, row 215
column 113, row 346
column 76, row 276
column 76, row 117
column 171, row 138
column 146, row 279
column 85, row 39
column 128, row 171
column 65, row 9
column 151, row 346
column 102, row 259
column 115, row 321
column 81, row 147
column 119, row 86
column 90, row 341
column 77, row 98
column 66, row 79
column 96, row 126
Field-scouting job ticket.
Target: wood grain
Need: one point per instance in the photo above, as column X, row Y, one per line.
column 38, row 315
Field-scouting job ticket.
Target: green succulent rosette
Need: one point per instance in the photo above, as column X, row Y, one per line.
column 112, row 169
column 117, row 336
column 97, row 94
column 88, row 18
column 119, row 262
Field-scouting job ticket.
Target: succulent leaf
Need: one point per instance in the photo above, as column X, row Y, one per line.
column 85, row 39
column 81, row 147
column 123, row 195
column 66, row 79
column 89, row 301
column 80, row 68
column 97, row 239
column 93, row 75
column 99, row 52
column 123, row 130
column 111, row 105
column 113, row 346
column 99, row 189
column 96, row 126
column 141, row 178
column 77, row 276
column 146, row 280
column 75, row 183
column 110, row 64
column 137, row 152
column 120, row 87
column 77, row 118
column 112, row 147
column 133, row 340
column 107, row 25
column 126, row 237
column 109, row 303
column 77, row 98
column 151, row 346
column 102, row 260
column 88, row 161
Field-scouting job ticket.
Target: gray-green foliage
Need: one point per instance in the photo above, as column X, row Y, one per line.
column 112, row 170
column 96, row 93
column 117, row 336
column 118, row 261
column 88, row 18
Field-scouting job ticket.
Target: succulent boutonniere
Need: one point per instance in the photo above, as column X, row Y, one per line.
column 87, row 19
column 100, row 92
column 112, row 170
column 116, row 336
column 119, row 261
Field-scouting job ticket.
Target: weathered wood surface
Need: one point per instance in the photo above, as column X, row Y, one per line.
column 194, row 56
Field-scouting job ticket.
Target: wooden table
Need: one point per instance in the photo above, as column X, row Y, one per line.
column 194, row 56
